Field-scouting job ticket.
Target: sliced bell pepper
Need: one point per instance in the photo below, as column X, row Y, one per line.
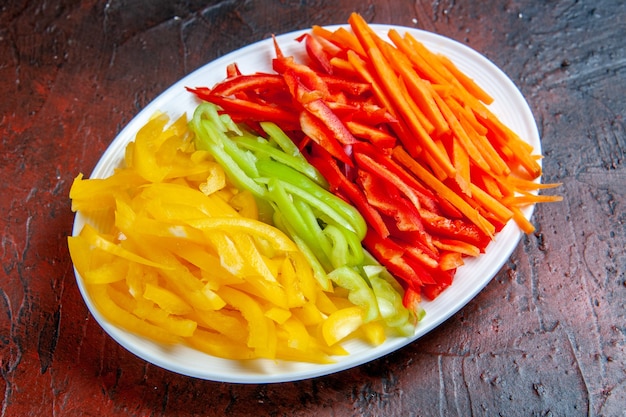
column 389, row 202
column 389, row 171
column 377, row 137
column 261, row 147
column 182, row 265
column 359, row 291
column 303, row 74
column 327, row 230
column 341, row 212
column 409, row 271
column 243, row 83
column 316, row 52
column 260, row 328
column 342, row 323
column 366, row 113
column 316, row 106
column 123, row 318
column 320, row 134
column 166, row 299
column 339, row 183
column 244, row 110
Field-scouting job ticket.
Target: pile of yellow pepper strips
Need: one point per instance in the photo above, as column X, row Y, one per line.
column 179, row 254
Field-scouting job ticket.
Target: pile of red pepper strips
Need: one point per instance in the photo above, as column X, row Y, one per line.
column 404, row 136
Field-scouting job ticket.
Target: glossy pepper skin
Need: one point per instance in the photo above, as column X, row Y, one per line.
column 325, row 227
column 178, row 254
column 350, row 138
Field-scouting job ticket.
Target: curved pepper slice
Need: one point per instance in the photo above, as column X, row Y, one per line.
column 342, row 323
column 360, row 293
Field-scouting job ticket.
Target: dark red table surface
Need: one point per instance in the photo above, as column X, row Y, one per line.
column 545, row 338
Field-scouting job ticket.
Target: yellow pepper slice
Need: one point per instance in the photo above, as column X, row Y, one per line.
column 279, row 315
column 167, row 300
column 99, row 194
column 145, row 152
column 253, row 227
column 342, row 323
column 259, row 326
column 217, row 344
column 123, row 318
column 245, row 204
column 225, row 322
column 93, row 238
column 297, row 334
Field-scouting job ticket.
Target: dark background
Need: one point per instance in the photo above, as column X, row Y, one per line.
column 545, row 338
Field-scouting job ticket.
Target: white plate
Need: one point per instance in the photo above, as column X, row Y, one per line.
column 509, row 105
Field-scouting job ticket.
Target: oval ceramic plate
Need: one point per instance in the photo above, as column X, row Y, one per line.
column 509, row 105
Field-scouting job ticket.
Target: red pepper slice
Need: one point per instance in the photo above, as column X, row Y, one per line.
column 316, row 52
column 341, row 185
column 303, row 73
column 422, row 240
column 200, row 92
column 246, row 83
column 317, row 131
column 265, row 89
column 339, row 130
column 232, row 70
column 391, row 255
column 396, row 173
column 352, row 88
column 370, row 163
column 376, row 136
column 455, row 229
column 421, row 279
column 318, row 108
column 247, row 110
column 389, row 202
column 411, row 299
column 422, row 254
column 363, row 112
column 431, row 291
